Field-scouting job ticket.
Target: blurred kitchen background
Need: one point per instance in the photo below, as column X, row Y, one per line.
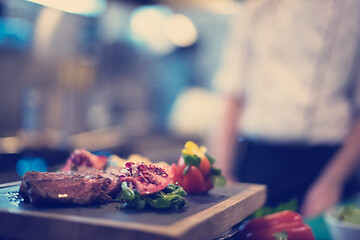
column 113, row 76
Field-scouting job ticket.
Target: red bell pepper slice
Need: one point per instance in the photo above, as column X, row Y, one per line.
column 286, row 216
column 284, row 225
column 284, row 231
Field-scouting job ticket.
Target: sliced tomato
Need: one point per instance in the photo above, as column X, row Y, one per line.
column 208, row 184
column 181, row 163
column 178, row 174
column 205, row 166
column 193, row 181
column 196, row 179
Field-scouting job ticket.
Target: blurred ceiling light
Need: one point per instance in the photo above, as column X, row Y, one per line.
column 10, row 145
column 216, row 6
column 181, row 31
column 148, row 28
column 113, row 24
column 46, row 24
column 82, row 7
column 225, row 7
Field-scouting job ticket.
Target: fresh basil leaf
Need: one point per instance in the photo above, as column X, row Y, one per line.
column 170, row 188
column 191, row 160
column 140, row 204
column 172, row 197
column 126, row 193
column 218, row 181
column 161, row 203
column 177, row 203
column 215, row 171
column 210, row 158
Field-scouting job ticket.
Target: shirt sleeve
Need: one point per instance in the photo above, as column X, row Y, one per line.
column 229, row 78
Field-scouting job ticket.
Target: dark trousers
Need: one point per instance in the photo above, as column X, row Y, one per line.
column 288, row 170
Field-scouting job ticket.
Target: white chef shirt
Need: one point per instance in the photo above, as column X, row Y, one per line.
column 295, row 62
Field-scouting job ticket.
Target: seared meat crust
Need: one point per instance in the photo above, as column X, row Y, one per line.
column 52, row 188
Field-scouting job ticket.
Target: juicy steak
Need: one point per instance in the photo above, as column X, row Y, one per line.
column 114, row 187
column 80, row 188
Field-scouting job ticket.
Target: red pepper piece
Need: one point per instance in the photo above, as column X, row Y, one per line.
column 286, row 216
column 284, row 231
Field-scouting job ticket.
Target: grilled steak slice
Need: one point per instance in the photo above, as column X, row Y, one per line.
column 23, row 191
column 51, row 188
column 113, row 189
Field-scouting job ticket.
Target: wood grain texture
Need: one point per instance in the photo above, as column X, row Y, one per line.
column 204, row 217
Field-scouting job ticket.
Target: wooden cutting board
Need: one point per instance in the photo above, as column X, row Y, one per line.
column 204, row 217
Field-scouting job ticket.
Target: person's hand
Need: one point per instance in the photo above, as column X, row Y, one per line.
column 322, row 195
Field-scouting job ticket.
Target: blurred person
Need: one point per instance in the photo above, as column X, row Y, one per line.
column 290, row 79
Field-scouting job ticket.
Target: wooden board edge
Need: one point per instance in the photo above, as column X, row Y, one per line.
column 253, row 198
column 161, row 232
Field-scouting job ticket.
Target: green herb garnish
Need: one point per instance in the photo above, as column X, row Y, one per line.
column 171, row 197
